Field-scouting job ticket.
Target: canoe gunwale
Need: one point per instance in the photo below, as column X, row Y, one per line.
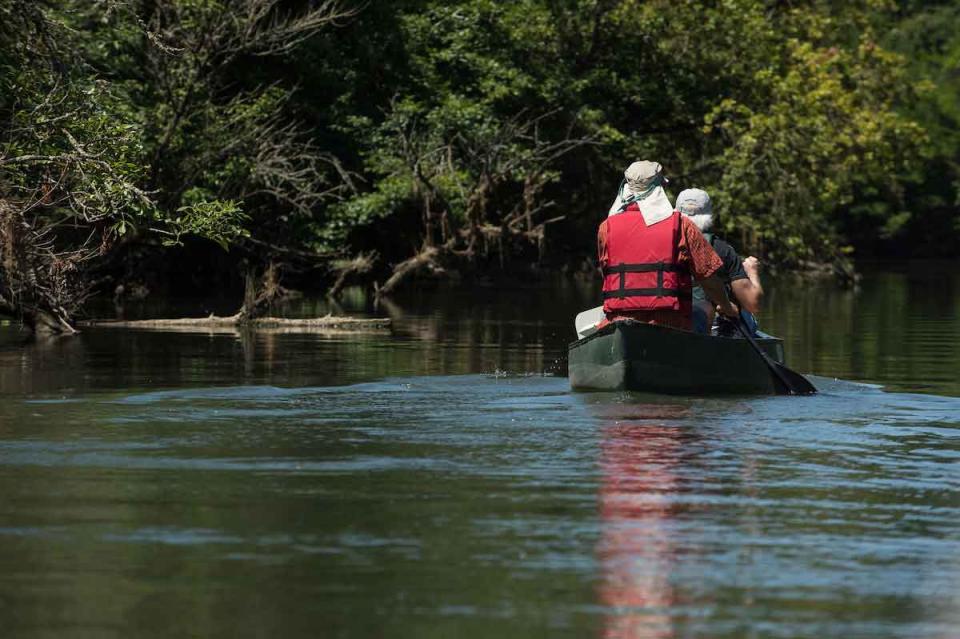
column 762, row 338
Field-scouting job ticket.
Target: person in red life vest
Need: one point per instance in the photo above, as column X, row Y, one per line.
column 650, row 254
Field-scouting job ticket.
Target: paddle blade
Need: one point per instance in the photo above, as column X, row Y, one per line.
column 586, row 320
column 786, row 381
column 793, row 382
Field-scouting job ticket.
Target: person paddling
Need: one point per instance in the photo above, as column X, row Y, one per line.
column 742, row 277
column 649, row 255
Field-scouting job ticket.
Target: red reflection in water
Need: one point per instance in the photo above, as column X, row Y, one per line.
column 639, row 461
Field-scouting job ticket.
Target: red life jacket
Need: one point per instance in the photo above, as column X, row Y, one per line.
column 642, row 273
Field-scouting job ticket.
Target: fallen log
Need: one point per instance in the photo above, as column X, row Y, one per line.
column 231, row 323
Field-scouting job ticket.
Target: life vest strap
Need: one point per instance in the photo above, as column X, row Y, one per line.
column 653, row 267
column 645, row 268
column 641, row 292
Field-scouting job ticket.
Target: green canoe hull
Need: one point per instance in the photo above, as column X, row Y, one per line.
column 628, row 355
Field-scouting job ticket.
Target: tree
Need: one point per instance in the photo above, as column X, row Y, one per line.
column 448, row 137
column 213, row 136
column 786, row 113
column 464, row 146
column 102, row 144
column 70, row 166
column 925, row 33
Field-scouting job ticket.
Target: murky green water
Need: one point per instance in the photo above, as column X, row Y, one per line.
column 435, row 483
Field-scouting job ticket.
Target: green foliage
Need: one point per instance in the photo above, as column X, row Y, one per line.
column 76, row 141
column 816, row 126
column 927, row 36
column 826, row 130
column 66, row 137
column 217, row 220
column 469, row 138
column 789, row 116
column 74, row 168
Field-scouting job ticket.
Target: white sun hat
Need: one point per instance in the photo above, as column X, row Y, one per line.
column 695, row 203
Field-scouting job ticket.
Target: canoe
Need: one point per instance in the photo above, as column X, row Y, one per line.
column 630, row 355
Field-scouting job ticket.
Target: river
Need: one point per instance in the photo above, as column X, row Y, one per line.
column 441, row 480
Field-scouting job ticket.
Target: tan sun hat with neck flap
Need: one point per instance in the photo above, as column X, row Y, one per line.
column 643, row 184
column 643, row 175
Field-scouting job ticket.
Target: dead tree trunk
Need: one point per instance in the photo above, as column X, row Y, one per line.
column 425, row 260
column 258, row 298
column 36, row 284
column 347, row 270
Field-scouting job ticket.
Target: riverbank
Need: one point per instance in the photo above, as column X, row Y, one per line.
column 894, row 327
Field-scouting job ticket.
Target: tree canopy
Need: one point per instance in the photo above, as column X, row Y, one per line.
column 428, row 136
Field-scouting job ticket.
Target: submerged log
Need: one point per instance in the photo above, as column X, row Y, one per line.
column 232, row 323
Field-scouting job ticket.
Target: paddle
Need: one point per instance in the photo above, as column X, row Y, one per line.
column 586, row 320
column 791, row 383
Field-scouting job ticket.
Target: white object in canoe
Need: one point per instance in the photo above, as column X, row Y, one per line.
column 586, row 322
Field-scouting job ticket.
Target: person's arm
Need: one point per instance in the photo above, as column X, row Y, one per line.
column 749, row 291
column 717, row 293
column 704, row 264
column 603, row 257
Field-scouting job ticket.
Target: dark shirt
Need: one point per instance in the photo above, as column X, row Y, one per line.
column 731, row 271
column 732, row 264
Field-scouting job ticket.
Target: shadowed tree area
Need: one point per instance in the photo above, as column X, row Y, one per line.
column 184, row 145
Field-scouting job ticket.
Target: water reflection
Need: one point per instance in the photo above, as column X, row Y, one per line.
column 900, row 328
column 430, row 336
column 478, row 506
column 640, row 453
